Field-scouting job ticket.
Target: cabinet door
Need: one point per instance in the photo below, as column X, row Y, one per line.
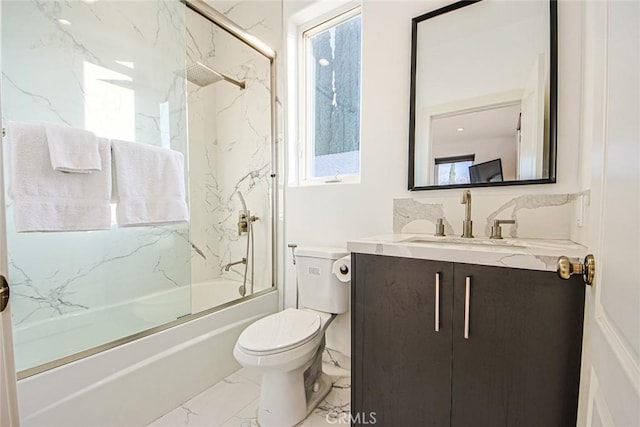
column 401, row 365
column 520, row 365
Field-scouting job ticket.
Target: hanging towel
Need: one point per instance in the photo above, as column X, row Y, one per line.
column 149, row 184
column 47, row 200
column 73, row 150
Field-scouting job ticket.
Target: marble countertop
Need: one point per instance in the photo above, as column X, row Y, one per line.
column 531, row 254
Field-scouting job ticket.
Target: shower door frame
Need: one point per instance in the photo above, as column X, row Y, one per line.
column 8, row 393
column 8, row 379
column 203, row 9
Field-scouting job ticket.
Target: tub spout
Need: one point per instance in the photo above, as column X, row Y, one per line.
column 231, row 264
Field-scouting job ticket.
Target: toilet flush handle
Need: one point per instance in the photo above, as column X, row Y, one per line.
column 293, row 247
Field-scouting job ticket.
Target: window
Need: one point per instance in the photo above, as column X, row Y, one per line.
column 453, row 170
column 330, row 93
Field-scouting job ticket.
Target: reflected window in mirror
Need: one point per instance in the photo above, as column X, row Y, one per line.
column 452, row 170
column 484, row 81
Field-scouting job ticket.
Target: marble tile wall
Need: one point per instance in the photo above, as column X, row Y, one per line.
column 95, row 65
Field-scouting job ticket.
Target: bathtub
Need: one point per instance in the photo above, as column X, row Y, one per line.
column 136, row 382
column 40, row 342
column 205, row 295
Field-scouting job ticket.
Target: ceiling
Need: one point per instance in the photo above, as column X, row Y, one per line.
column 488, row 124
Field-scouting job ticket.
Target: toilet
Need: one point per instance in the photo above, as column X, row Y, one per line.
column 286, row 347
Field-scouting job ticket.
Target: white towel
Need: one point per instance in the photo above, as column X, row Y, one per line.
column 149, row 184
column 73, row 150
column 46, row 200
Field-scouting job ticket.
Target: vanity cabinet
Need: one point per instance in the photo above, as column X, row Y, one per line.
column 518, row 366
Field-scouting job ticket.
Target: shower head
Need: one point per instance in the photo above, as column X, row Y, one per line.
column 201, row 75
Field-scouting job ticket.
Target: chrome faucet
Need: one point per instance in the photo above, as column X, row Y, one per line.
column 467, row 224
column 231, row 264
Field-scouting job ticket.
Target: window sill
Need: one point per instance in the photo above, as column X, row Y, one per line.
column 350, row 179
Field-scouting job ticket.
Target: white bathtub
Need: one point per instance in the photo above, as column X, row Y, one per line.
column 205, row 295
column 136, row 382
column 39, row 342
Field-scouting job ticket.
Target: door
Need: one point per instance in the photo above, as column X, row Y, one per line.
column 8, row 394
column 404, row 380
column 516, row 361
column 610, row 385
column 531, row 145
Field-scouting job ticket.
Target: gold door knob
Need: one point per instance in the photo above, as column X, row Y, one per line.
column 566, row 268
column 4, row 293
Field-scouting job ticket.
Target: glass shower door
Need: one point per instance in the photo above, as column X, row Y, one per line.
column 116, row 69
column 230, row 142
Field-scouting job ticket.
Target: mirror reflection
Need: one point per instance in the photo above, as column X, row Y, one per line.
column 483, row 95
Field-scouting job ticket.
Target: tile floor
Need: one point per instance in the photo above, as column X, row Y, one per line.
column 233, row 402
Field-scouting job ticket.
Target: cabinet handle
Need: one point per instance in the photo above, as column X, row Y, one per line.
column 437, row 320
column 467, row 292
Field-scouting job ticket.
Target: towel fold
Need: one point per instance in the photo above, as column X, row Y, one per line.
column 47, row 200
column 149, row 184
column 73, row 150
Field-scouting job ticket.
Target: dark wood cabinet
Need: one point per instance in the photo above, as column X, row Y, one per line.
column 400, row 358
column 518, row 366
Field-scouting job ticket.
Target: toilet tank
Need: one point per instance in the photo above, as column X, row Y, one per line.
column 318, row 288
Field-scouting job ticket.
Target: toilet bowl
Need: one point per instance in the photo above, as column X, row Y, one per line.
column 282, row 347
column 286, row 347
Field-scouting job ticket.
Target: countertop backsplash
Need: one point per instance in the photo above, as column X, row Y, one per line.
column 537, row 216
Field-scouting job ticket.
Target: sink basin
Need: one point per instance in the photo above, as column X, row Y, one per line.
column 484, row 241
column 445, row 240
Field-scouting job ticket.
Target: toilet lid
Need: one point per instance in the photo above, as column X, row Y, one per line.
column 281, row 331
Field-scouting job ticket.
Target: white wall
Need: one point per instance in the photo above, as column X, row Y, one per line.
column 334, row 213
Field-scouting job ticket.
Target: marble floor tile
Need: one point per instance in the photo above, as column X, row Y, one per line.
column 214, row 406
column 246, row 417
column 335, row 408
column 234, row 401
column 251, row 375
column 336, row 364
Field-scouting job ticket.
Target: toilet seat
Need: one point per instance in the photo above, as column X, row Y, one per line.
column 280, row 332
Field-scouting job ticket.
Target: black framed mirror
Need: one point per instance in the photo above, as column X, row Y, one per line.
column 483, row 98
